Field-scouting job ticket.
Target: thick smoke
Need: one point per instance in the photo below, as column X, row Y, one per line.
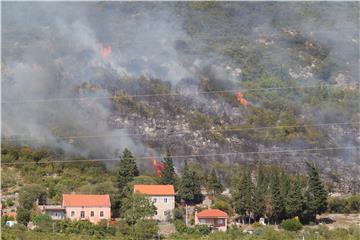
column 53, row 50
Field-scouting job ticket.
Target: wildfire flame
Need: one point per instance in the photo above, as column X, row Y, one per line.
column 241, row 99
column 157, row 167
column 105, row 52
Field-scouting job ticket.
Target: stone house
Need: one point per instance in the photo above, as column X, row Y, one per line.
column 163, row 197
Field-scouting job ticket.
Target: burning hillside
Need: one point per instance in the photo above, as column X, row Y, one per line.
column 94, row 78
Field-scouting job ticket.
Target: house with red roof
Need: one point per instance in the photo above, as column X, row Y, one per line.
column 93, row 208
column 163, row 197
column 215, row 218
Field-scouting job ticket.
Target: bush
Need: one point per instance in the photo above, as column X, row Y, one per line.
column 9, row 202
column 292, row 225
column 180, row 226
column 146, row 229
column 43, row 222
column 23, row 216
column 179, row 213
column 203, row 229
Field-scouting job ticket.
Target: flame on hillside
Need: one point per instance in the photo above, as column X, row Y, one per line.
column 240, row 97
column 158, row 167
column 105, row 52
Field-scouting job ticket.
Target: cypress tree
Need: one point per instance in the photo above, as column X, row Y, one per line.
column 186, row 186
column 277, row 200
column 284, row 184
column 243, row 196
column 258, row 202
column 127, row 171
column 316, row 193
column 214, row 182
column 294, row 202
column 168, row 175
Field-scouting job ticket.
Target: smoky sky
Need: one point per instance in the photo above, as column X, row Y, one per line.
column 49, row 50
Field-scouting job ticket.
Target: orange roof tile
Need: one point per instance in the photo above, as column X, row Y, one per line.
column 155, row 189
column 212, row 213
column 86, row 200
column 10, row 214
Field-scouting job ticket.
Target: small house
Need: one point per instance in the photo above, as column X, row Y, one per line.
column 163, row 197
column 214, row 218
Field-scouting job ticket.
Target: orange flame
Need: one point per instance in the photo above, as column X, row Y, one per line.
column 158, row 167
column 105, row 52
column 241, row 99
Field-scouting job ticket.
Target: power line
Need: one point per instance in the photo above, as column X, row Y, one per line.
column 184, row 132
column 193, row 155
column 161, row 94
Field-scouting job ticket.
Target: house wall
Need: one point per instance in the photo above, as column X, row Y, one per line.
column 163, row 206
column 214, row 222
column 87, row 213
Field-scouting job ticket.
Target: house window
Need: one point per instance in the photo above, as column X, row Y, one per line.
column 202, row 220
column 72, row 213
column 154, row 200
column 92, row 213
column 165, row 200
column 82, row 214
column 101, row 213
column 220, row 221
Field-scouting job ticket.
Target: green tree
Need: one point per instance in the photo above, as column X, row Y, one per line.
column 316, row 194
column 294, row 201
column 258, row 200
column 23, row 216
column 136, row 207
column 243, row 196
column 277, row 200
column 168, row 175
column 189, row 185
column 29, row 194
column 127, row 171
column 214, row 183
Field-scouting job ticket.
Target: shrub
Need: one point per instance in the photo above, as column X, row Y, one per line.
column 180, row 226
column 23, row 216
column 43, row 222
column 179, row 213
column 203, row 229
column 291, row 225
column 9, row 202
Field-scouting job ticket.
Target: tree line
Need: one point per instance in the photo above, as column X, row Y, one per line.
column 267, row 191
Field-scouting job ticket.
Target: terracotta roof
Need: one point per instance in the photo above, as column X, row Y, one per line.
column 10, row 214
column 86, row 200
column 212, row 213
column 155, row 189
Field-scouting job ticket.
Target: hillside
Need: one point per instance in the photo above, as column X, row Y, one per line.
column 89, row 79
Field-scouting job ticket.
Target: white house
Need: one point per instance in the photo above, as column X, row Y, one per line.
column 163, row 197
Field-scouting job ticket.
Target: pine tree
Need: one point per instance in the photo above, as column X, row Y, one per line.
column 294, row 201
column 316, row 193
column 168, row 175
column 127, row 171
column 214, row 183
column 258, row 201
column 186, row 185
column 243, row 196
column 276, row 200
column 284, row 184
